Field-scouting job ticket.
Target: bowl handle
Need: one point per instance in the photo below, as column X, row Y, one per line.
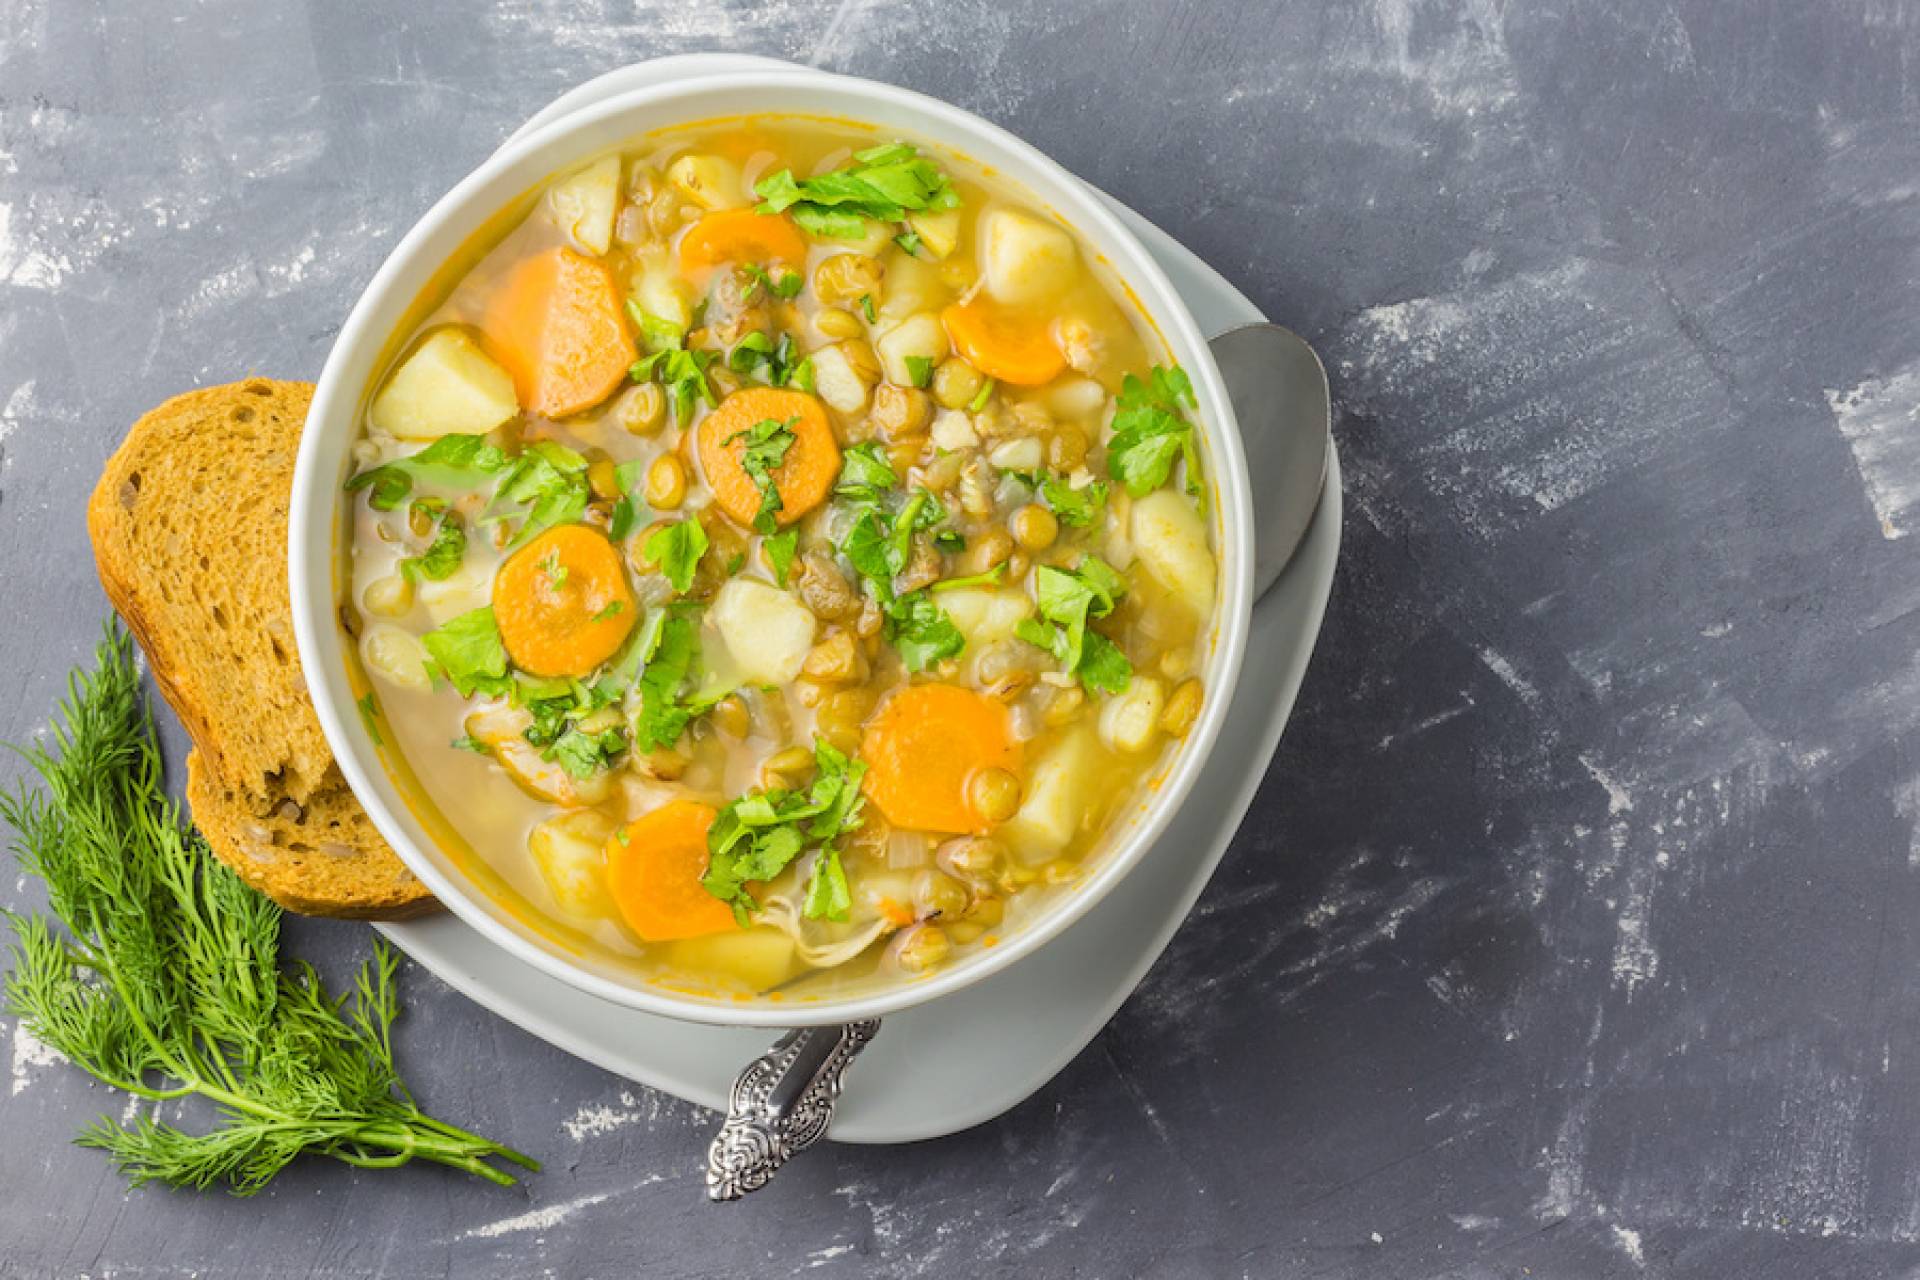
column 781, row 1104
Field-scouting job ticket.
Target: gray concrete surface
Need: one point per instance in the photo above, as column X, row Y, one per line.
column 1576, row 931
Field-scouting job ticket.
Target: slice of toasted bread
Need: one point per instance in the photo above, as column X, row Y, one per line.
column 189, row 528
column 322, row 858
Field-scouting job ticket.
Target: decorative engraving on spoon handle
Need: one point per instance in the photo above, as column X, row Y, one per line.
column 781, row 1104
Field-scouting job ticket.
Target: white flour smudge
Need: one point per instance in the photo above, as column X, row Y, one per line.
column 1500, row 666
column 30, row 1055
column 1880, row 420
column 1629, row 1241
column 1619, row 799
column 542, row 1219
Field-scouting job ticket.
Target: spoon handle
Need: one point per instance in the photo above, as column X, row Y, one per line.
column 781, row 1104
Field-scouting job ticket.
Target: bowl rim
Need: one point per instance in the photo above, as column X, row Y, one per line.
column 315, row 503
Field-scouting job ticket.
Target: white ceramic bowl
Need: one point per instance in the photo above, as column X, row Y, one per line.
column 318, row 521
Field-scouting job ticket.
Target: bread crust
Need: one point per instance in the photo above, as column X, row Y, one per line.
column 189, row 532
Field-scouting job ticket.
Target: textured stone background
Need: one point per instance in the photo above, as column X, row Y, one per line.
column 1575, row 932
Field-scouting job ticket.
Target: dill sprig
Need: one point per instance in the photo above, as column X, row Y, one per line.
column 165, row 980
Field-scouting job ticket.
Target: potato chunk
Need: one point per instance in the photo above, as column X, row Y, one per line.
column 761, row 958
column 841, row 382
column 939, row 232
column 1129, row 720
column 447, row 386
column 1060, row 790
column 985, row 615
column 570, row 849
column 712, row 182
column 1171, row 542
column 766, row 630
column 584, row 204
column 661, row 291
column 1025, row 259
column 921, row 336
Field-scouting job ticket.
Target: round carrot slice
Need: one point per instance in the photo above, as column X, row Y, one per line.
column 923, row 748
column 1005, row 344
column 741, row 235
column 562, row 602
column 556, row 323
column 806, row 472
column 654, row 865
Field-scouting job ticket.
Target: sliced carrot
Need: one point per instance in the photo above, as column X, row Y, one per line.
column 654, row 867
column 562, row 602
column 1005, row 344
column 805, row 475
column 923, row 748
column 741, row 235
column 556, row 323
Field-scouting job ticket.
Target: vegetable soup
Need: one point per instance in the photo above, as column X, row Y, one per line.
column 780, row 558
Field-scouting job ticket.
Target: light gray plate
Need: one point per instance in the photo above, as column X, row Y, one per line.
column 970, row 1056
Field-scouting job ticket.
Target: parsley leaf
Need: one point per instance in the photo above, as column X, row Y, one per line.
column 682, row 374
column 1067, row 599
column 549, row 480
column 780, row 549
column 668, row 644
column 1076, row 507
column 468, row 654
column 467, row 742
column 1150, row 432
column 777, row 364
column 922, row 631
column 767, row 445
column 442, row 557
column 760, row 833
column 865, row 473
column 786, row 285
column 883, row 183
column 454, row 462
column 626, row 512
column 612, row 610
column 584, row 754
column 677, row 549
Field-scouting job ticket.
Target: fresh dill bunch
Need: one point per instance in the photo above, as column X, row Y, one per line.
column 165, row 980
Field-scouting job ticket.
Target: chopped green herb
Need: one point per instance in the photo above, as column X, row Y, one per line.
column 613, row 610
column 980, row 397
column 546, row 486
column 625, row 516
column 584, row 754
column 668, row 645
column 767, row 445
column 759, row 834
column 370, row 716
column 990, row 578
column 883, row 183
column 1067, row 599
column 1076, row 507
column 682, row 374
column 467, row 742
column 455, row 462
column 780, row 549
column 677, row 549
column 468, row 654
column 554, row 572
column 801, row 375
column 785, row 285
column 865, row 473
column 1150, row 432
column 656, row 334
column 441, row 560
column 866, row 306
column 922, row 632
column 775, row 363
column 919, row 370
column 909, row 241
